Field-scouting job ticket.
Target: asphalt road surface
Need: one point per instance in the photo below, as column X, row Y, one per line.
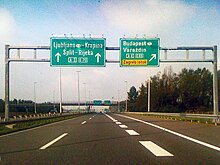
column 112, row 139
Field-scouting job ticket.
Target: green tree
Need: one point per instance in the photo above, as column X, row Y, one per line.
column 171, row 92
column 141, row 102
column 2, row 105
column 195, row 88
column 169, row 87
column 155, row 94
column 164, row 91
column 132, row 97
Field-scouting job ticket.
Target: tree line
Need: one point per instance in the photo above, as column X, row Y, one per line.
column 19, row 105
column 189, row 91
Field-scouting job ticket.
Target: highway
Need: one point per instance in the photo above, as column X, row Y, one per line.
column 111, row 139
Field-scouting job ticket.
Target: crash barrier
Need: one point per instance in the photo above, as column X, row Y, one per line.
column 31, row 117
column 215, row 118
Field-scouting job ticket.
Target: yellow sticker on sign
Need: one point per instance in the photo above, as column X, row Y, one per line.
column 134, row 62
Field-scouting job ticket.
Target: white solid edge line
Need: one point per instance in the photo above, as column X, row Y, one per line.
column 111, row 118
column 83, row 122
column 155, row 149
column 53, row 141
column 123, row 126
column 132, row 132
column 175, row 133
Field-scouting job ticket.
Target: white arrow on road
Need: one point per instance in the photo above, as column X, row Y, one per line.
column 98, row 57
column 153, row 56
column 58, row 55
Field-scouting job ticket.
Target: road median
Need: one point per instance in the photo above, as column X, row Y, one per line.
column 14, row 126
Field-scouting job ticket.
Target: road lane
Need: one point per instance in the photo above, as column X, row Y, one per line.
column 203, row 132
column 22, row 147
column 100, row 140
column 177, row 134
column 183, row 149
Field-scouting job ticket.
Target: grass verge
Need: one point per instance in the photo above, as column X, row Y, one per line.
column 30, row 124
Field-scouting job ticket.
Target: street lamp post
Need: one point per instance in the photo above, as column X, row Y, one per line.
column 118, row 101
column 60, row 91
column 148, row 100
column 126, row 101
column 35, row 104
column 85, row 92
column 78, row 91
column 89, row 100
column 54, row 99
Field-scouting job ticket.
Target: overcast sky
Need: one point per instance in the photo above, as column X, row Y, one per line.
column 28, row 22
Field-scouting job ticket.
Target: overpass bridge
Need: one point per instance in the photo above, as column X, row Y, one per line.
column 87, row 103
column 69, row 103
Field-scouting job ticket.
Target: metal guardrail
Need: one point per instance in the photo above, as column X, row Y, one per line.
column 23, row 118
column 216, row 118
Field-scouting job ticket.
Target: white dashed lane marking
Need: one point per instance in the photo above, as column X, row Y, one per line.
column 155, row 149
column 53, row 141
column 123, row 126
column 132, row 132
column 83, row 122
column 118, row 122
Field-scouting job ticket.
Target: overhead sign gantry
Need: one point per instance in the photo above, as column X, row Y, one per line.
column 91, row 52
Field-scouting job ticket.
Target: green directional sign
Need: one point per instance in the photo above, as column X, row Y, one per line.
column 107, row 102
column 139, row 52
column 97, row 102
column 77, row 52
